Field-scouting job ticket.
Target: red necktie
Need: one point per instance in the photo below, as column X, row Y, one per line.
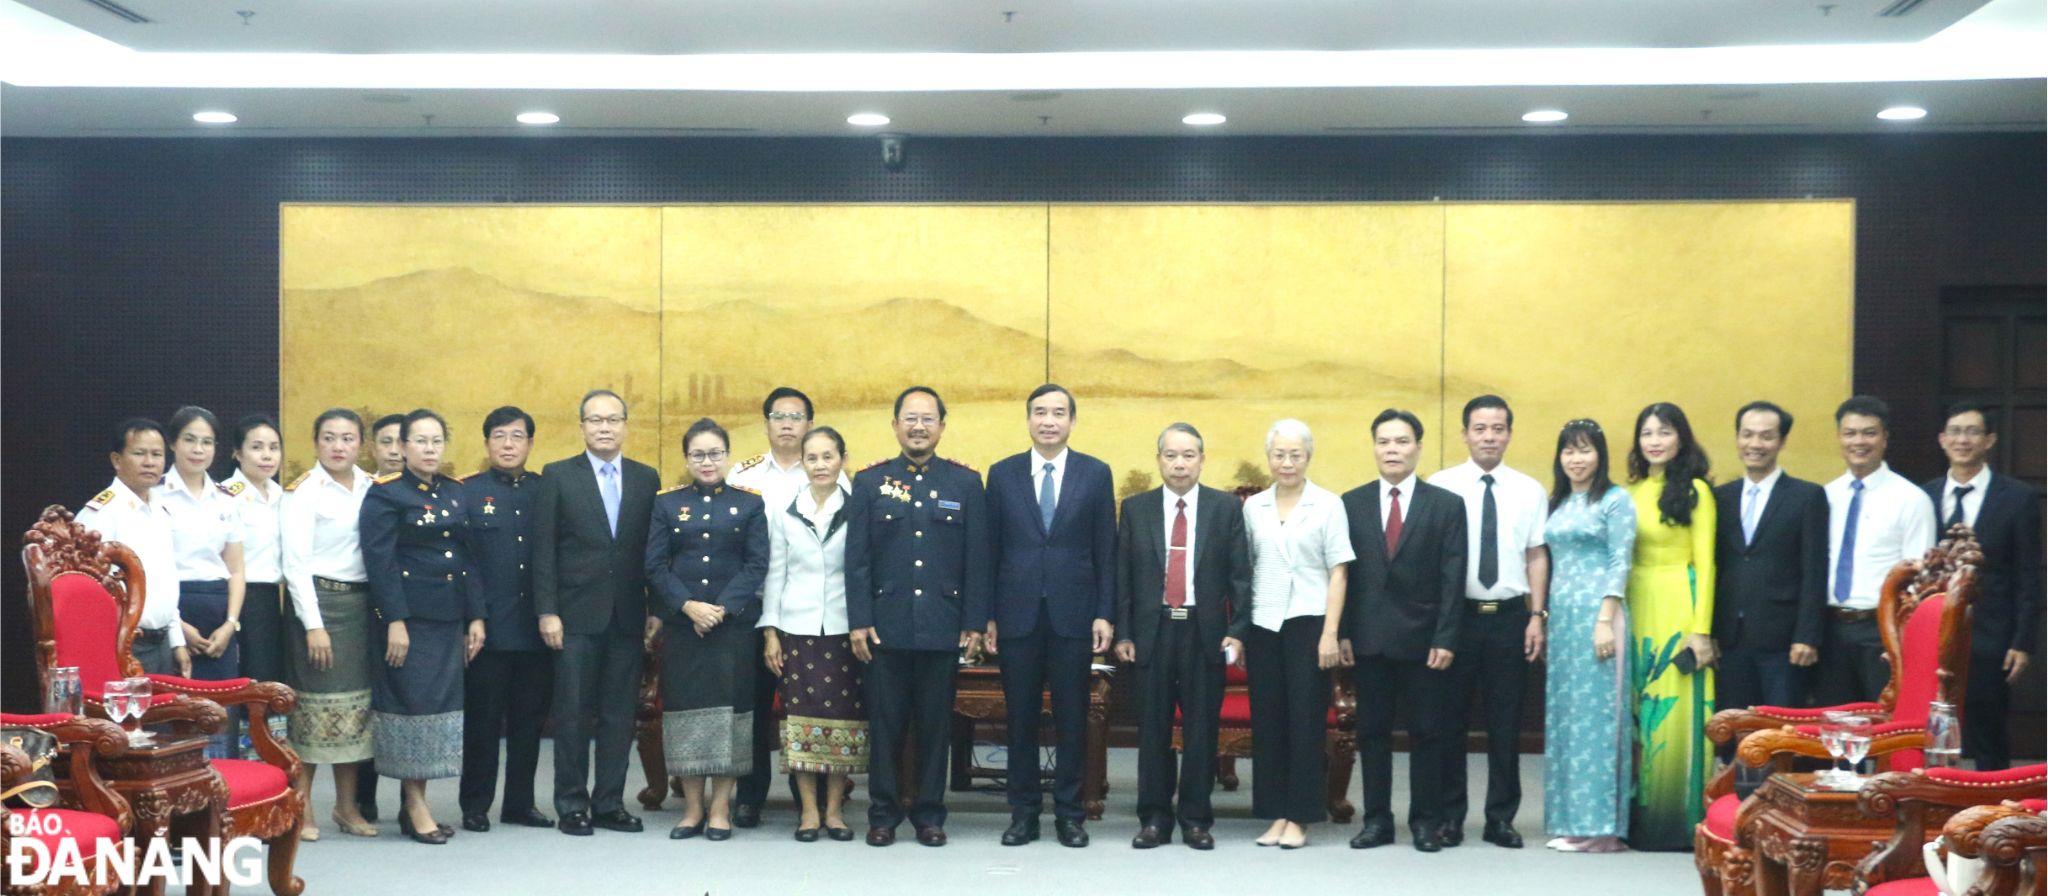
column 1393, row 520
column 1177, row 558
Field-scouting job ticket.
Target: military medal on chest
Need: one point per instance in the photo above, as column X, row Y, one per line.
column 489, row 508
column 428, row 517
column 683, row 515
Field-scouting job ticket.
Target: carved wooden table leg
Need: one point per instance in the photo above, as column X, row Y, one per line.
column 1095, row 768
column 647, row 730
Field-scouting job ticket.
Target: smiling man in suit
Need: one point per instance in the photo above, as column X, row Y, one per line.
column 590, row 590
column 1183, row 602
column 2005, row 618
column 1053, row 539
column 1402, row 612
column 1771, row 550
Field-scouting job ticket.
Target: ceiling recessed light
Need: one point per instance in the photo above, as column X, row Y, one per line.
column 867, row 119
column 1903, row 113
column 1203, row 119
column 214, row 117
column 1544, row 116
column 538, row 118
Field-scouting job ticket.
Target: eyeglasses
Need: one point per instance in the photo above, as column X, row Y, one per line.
column 1292, row 457
column 614, row 420
column 706, row 457
column 425, row 442
column 919, row 420
column 787, row 416
column 1959, row 432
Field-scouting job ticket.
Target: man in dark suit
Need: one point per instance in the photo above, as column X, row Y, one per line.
column 1183, row 602
column 1052, row 514
column 2006, row 615
column 590, row 589
column 1402, row 610
column 1771, row 557
column 917, row 592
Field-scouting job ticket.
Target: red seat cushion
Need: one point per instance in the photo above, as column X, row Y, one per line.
column 85, row 827
column 1237, row 712
column 1911, row 886
column 1814, row 714
column 250, row 781
column 2020, row 774
column 1919, row 659
column 86, row 623
column 1721, row 817
column 2034, row 805
column 1235, row 676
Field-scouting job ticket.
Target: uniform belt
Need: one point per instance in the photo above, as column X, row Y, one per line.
column 152, row 634
column 1844, row 614
column 1492, row 607
column 339, row 585
column 1176, row 612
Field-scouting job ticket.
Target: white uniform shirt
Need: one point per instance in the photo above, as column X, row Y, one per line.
column 1170, row 499
column 1291, row 559
column 118, row 514
column 777, row 485
column 318, row 522
column 1895, row 522
column 262, row 547
column 1521, row 507
column 805, row 592
column 202, row 526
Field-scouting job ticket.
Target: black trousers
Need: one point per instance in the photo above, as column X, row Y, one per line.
column 262, row 637
column 504, row 693
column 1032, row 666
column 909, row 694
column 597, row 686
column 1489, row 660
column 1852, row 667
column 1422, row 692
column 1749, row 676
column 1987, row 706
column 1290, row 700
column 752, row 789
column 1179, row 674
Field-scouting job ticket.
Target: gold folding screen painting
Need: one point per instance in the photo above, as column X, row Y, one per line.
column 1226, row 316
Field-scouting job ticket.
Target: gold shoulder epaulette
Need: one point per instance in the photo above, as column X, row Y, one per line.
column 387, row 477
column 299, row 481
column 233, row 489
column 673, row 488
column 875, row 464
column 102, row 499
column 741, row 488
column 961, row 464
column 750, row 463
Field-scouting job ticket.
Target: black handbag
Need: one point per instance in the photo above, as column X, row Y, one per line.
column 38, row 790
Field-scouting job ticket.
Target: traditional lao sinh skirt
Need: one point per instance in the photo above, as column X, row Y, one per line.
column 418, row 706
column 707, row 700
column 824, row 725
column 332, row 723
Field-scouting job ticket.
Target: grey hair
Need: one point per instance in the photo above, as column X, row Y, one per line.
column 1293, row 428
column 1188, row 428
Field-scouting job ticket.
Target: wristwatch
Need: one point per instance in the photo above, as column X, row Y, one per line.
column 237, row 623
column 1541, row 614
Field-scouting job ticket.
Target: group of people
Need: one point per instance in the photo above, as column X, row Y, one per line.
column 423, row 616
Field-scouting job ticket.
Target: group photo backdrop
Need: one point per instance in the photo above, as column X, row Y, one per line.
column 1227, row 316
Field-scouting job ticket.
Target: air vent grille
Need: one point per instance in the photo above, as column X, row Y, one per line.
column 118, row 11
column 1900, row 9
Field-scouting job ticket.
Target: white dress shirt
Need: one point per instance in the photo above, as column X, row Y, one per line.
column 1521, row 507
column 1039, row 474
column 1292, row 559
column 262, row 547
column 1407, row 487
column 1194, row 492
column 1972, row 502
column 805, row 591
column 202, row 526
column 318, row 520
column 119, row 514
column 1896, row 523
column 1755, row 504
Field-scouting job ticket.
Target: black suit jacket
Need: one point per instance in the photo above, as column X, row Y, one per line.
column 2006, row 614
column 1070, row 570
column 1402, row 606
column 1773, row 592
column 580, row 571
column 1220, row 571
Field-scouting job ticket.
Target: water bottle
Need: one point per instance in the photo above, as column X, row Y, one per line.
column 67, row 693
column 1944, row 736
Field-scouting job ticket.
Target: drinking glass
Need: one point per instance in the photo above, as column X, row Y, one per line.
column 114, row 694
column 139, row 691
column 1855, row 745
column 1831, row 738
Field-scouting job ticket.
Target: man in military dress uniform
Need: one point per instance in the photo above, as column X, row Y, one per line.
column 123, row 512
column 506, row 689
column 918, row 580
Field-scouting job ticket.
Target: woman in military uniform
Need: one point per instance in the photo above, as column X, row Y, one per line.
column 428, row 620
column 206, row 533
column 258, row 451
column 707, row 554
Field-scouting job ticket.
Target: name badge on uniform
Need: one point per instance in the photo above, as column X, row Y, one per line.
column 949, row 505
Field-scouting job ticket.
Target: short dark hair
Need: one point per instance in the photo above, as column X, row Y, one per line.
column 782, row 392
column 251, row 423
column 702, row 426
column 186, row 416
column 406, row 423
column 1073, row 407
column 587, row 396
column 1784, row 416
column 1188, row 428
column 131, row 426
column 505, row 415
column 934, row 393
column 397, row 420
column 1867, row 406
column 1481, row 403
column 838, row 441
column 338, row 414
column 1391, row 414
column 1967, row 406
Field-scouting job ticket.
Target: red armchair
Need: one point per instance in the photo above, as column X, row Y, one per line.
column 86, row 599
column 1915, row 797
column 96, row 811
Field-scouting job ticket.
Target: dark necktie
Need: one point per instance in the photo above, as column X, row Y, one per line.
column 1177, row 557
column 1955, row 517
column 1393, row 520
column 1045, row 498
column 1489, row 536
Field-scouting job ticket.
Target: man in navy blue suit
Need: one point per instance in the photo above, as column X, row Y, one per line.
column 1053, row 538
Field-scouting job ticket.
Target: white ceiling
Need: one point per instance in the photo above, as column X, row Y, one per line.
column 1056, row 68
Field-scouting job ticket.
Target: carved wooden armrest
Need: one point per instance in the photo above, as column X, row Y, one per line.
column 1964, row 832
column 2011, row 847
column 185, row 716
column 1763, row 746
column 84, row 739
column 1730, row 725
column 1906, row 796
column 260, row 698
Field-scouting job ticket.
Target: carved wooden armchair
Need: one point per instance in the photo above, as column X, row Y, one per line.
column 1923, row 616
column 2014, row 849
column 86, row 598
column 1913, row 798
column 96, row 812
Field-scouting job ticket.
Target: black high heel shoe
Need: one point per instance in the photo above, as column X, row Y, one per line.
column 841, row 834
column 686, row 831
column 435, row 837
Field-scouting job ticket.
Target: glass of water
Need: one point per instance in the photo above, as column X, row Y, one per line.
column 1855, row 746
column 139, row 691
column 1831, row 730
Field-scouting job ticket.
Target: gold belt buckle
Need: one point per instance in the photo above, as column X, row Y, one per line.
column 1489, row 607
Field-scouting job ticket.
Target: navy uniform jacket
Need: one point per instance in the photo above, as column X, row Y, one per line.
column 416, row 547
column 917, row 553
column 710, row 544
column 500, row 508
column 1070, row 570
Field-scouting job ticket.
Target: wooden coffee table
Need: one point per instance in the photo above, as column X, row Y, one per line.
column 978, row 700
column 1807, row 837
column 172, row 788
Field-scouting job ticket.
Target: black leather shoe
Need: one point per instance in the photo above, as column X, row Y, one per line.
column 1198, row 838
column 1023, row 829
column 616, row 820
column 881, row 836
column 528, row 818
column 746, row 815
column 476, row 821
column 1502, row 834
column 575, row 824
column 1070, row 831
column 1451, row 835
column 717, row 834
column 931, row 836
column 840, row 834
column 1427, row 838
column 1148, row 837
column 686, row 831
column 435, row 837
column 1372, row 834
column 806, row 835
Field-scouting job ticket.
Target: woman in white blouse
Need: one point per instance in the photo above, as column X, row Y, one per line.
column 1300, row 541
column 803, row 615
column 258, row 451
column 206, row 535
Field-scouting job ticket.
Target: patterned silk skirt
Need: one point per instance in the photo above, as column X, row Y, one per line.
column 824, row 725
column 332, row 723
column 418, row 706
column 707, row 700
